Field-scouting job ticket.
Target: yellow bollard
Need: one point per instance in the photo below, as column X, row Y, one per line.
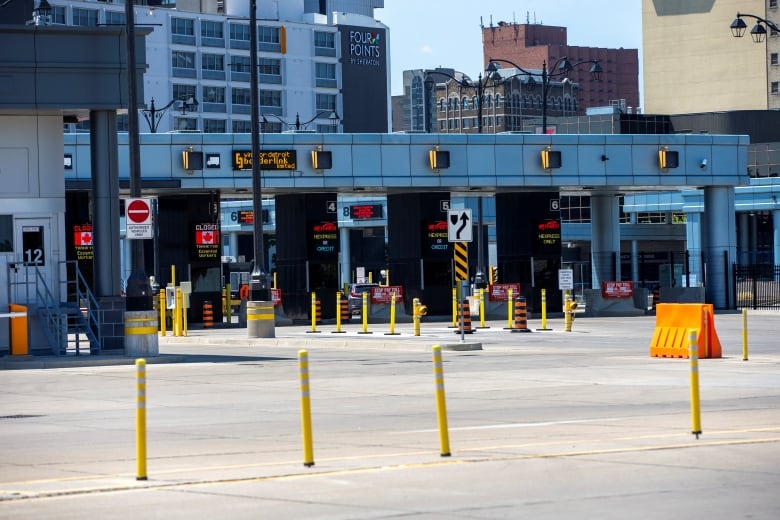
column 313, row 314
column 544, row 310
column 569, row 307
column 695, row 406
column 509, row 306
column 163, row 305
column 364, row 314
column 441, row 404
column 454, row 309
column 338, row 313
column 392, row 317
column 140, row 418
column 228, row 304
column 177, row 323
column 482, row 309
column 308, row 445
column 275, row 287
column 185, row 304
column 744, row 335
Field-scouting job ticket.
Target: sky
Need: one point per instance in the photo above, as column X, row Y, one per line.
column 426, row 34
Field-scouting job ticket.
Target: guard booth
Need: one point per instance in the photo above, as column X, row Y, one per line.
column 307, row 252
column 528, row 236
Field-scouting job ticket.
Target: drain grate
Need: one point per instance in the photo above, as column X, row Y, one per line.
column 19, row 416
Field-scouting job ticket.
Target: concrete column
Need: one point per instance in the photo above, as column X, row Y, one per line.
column 346, row 267
column 105, row 201
column 693, row 238
column 776, row 236
column 634, row 254
column 720, row 247
column 233, row 244
column 743, row 244
column 605, row 238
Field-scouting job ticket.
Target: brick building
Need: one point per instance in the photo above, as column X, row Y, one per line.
column 531, row 45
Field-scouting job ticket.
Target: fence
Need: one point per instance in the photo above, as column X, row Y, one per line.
column 757, row 286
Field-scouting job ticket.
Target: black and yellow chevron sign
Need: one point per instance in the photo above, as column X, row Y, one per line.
column 461, row 261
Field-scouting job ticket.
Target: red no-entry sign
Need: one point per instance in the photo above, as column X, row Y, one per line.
column 139, row 218
column 138, row 211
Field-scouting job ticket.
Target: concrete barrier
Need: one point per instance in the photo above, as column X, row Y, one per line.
column 260, row 319
column 141, row 334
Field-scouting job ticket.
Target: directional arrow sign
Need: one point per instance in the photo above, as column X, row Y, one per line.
column 459, row 225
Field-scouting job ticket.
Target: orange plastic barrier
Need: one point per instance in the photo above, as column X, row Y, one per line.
column 672, row 323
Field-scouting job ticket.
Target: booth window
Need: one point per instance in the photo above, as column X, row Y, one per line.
column 6, row 234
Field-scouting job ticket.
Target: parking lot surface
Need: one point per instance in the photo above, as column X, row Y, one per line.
column 545, row 424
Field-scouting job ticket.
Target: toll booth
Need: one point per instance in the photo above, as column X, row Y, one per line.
column 528, row 245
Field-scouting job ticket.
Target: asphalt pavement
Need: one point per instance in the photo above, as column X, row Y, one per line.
column 541, row 424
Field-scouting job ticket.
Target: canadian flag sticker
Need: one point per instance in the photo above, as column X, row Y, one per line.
column 207, row 237
column 82, row 238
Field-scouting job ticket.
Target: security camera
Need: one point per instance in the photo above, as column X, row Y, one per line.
column 703, row 164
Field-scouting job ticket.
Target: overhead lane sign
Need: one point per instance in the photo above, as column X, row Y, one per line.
column 459, row 225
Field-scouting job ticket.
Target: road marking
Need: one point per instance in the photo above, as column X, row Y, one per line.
column 7, row 495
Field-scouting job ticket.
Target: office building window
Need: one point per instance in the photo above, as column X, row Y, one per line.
column 239, row 32
column 269, row 66
column 242, row 127
column 182, row 60
column 773, row 58
column 774, row 87
column 115, row 18
column 324, row 40
column 85, row 17
column 268, row 35
column 270, row 98
column 58, row 15
column 326, row 102
column 183, row 26
column 181, row 91
column 325, row 71
column 239, row 64
column 213, row 94
column 210, row 29
column 185, row 124
column 773, row 3
column 213, row 62
column 240, row 96
column 214, row 126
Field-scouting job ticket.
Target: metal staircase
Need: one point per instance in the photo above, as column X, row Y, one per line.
column 72, row 326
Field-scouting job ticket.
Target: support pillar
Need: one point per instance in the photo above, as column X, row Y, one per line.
column 105, row 200
column 743, row 244
column 720, row 244
column 345, row 254
column 605, row 238
column 776, row 237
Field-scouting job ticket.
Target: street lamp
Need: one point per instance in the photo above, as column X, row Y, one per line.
column 138, row 290
column 153, row 115
column 259, row 289
column 333, row 118
column 758, row 32
column 561, row 67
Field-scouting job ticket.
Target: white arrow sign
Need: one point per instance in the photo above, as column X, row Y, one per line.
column 459, row 225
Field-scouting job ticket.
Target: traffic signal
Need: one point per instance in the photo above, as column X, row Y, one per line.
column 551, row 159
column 668, row 159
column 192, row 160
column 321, row 160
column 438, row 159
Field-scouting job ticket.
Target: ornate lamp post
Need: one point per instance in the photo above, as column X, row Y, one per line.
column 561, row 67
column 153, row 115
column 297, row 125
column 758, row 32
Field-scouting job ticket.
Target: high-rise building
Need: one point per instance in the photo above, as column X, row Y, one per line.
column 530, row 45
column 693, row 64
column 323, row 64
